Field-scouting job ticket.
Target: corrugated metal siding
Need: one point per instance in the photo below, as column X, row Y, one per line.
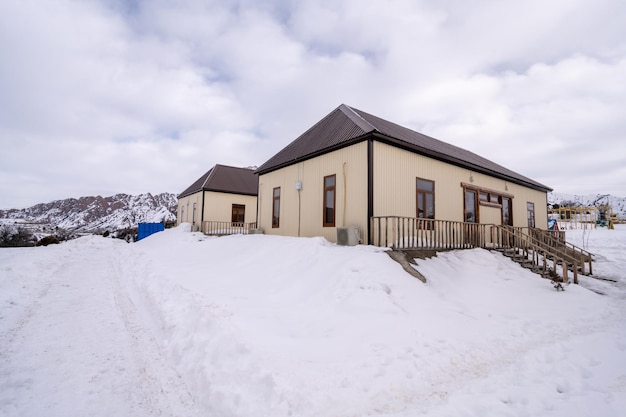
column 395, row 173
column 218, row 206
column 232, row 180
column 522, row 196
column 146, row 229
column 227, row 179
column 490, row 215
column 332, row 130
column 351, row 194
column 187, row 203
column 438, row 149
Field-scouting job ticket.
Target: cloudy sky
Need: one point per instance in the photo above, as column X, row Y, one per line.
column 113, row 96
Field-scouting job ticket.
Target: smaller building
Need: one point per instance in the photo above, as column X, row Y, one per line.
column 223, row 200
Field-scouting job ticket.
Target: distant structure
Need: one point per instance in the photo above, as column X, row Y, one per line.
column 583, row 217
column 222, row 201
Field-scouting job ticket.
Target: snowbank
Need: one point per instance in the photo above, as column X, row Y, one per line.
column 272, row 326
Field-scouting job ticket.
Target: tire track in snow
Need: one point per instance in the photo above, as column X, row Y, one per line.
column 80, row 347
column 161, row 385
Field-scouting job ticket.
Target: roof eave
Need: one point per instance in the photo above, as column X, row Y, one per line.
column 353, row 141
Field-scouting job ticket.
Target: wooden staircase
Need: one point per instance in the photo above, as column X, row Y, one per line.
column 543, row 253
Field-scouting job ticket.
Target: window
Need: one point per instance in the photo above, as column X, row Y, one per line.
column 478, row 197
column 471, row 208
column 238, row 214
column 183, row 219
column 507, row 212
column 276, row 207
column 329, row 201
column 530, row 211
column 425, row 201
column 194, row 213
column 489, row 198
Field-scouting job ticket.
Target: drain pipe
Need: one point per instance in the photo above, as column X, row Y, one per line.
column 299, row 188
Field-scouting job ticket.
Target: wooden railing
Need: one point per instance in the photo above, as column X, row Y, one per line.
column 543, row 250
column 541, row 256
column 226, row 228
column 412, row 233
column 584, row 257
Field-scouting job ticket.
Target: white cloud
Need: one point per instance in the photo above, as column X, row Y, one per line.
column 119, row 96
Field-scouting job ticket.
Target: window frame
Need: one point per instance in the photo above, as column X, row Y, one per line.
column 325, row 207
column 275, row 207
column 509, row 207
column 475, row 208
column 530, row 214
column 424, row 193
column 235, row 208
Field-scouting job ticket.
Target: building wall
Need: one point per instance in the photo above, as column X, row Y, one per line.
column 218, row 206
column 185, row 209
column 395, row 173
column 349, row 165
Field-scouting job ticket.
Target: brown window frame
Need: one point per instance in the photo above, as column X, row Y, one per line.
column 424, row 193
column 275, row 208
column 325, row 207
column 530, row 213
column 510, row 210
column 476, row 208
column 236, row 211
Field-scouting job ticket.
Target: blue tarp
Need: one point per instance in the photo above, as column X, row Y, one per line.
column 147, row 229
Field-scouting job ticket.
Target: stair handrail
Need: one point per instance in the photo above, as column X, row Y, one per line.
column 534, row 244
column 539, row 243
column 585, row 256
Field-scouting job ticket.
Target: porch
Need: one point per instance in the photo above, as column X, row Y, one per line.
column 544, row 252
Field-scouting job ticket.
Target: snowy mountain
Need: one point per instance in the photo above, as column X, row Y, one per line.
column 96, row 214
column 617, row 203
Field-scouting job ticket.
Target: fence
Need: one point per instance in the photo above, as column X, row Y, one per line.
column 412, row 233
column 226, row 228
column 146, row 229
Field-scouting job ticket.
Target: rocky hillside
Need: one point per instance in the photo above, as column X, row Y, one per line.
column 97, row 214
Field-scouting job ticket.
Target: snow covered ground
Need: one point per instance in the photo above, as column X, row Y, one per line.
column 181, row 324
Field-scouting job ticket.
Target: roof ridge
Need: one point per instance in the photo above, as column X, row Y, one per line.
column 357, row 119
column 210, row 175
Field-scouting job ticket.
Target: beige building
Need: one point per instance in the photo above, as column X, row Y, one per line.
column 223, row 200
column 351, row 167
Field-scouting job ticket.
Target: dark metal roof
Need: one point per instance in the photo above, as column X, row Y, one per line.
column 225, row 179
column 328, row 133
column 346, row 125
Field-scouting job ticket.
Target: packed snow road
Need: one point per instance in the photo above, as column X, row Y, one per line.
column 74, row 343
